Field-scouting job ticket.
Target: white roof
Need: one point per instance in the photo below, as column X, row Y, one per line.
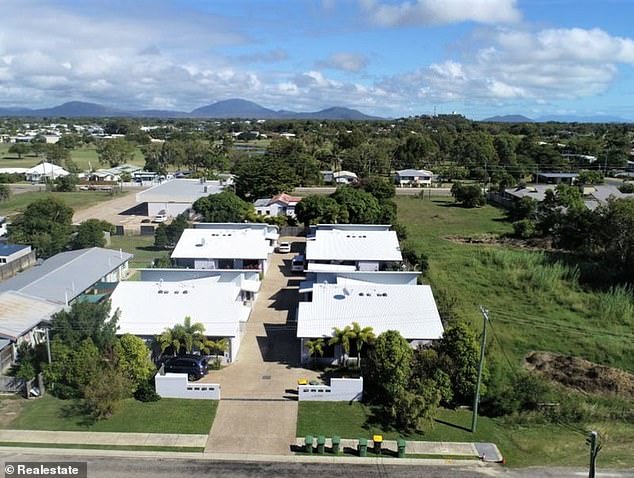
column 222, row 244
column 144, row 311
column 348, row 244
column 179, row 191
column 317, row 267
column 47, row 168
column 343, row 174
column 410, row 309
column 414, row 172
column 13, row 170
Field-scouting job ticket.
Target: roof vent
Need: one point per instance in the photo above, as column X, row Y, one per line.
column 175, row 292
column 185, row 292
column 160, row 291
column 360, row 294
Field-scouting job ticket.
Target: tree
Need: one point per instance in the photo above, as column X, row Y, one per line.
column 132, row 359
column 105, row 390
column 389, row 367
column 342, row 337
column 414, row 410
column 66, row 184
column 57, row 154
column 160, row 236
column 45, row 225
column 523, row 208
column 468, row 196
column 224, row 207
column 590, row 177
column 90, row 233
column 380, row 188
column 361, row 337
column 214, row 347
column 416, row 152
column 315, row 347
column 86, row 321
column 458, row 355
column 72, row 368
column 182, row 336
column 260, row 178
column 317, row 209
column 358, row 206
column 115, row 152
column 5, row 192
column 20, row 149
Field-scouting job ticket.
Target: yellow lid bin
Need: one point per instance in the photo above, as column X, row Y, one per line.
column 377, row 438
column 302, row 381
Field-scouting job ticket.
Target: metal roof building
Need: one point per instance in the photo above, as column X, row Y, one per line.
column 177, row 195
column 19, row 313
column 67, row 275
column 352, row 242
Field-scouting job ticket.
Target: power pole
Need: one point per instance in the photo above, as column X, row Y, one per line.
column 48, row 346
column 595, row 447
column 476, row 398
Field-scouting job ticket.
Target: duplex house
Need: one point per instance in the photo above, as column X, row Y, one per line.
column 226, row 246
column 350, row 247
column 399, row 305
column 280, row 205
column 220, row 300
column 176, row 196
column 414, row 177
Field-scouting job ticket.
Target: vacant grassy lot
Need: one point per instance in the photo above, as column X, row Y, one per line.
column 77, row 200
column 521, row 446
column 85, row 157
column 141, row 246
column 536, row 303
column 168, row 415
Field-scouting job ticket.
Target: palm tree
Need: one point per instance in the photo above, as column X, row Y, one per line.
column 185, row 335
column 315, row 346
column 362, row 336
column 216, row 347
column 342, row 337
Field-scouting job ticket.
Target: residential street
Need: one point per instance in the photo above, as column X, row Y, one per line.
column 257, row 413
column 111, row 465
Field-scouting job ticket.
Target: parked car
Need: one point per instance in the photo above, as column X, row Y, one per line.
column 159, row 218
column 195, row 366
column 284, row 247
column 297, row 263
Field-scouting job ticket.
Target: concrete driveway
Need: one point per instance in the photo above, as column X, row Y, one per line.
column 258, row 410
column 111, row 211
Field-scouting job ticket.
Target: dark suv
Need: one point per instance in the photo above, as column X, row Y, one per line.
column 195, row 366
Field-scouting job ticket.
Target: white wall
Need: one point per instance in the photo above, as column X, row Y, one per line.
column 340, row 389
column 173, row 209
column 175, row 385
column 368, row 265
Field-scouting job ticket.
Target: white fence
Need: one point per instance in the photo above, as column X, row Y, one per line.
column 340, row 389
column 176, row 385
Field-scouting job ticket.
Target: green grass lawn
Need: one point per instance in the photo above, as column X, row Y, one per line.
column 85, row 157
column 141, row 246
column 521, row 446
column 530, row 309
column 168, row 415
column 77, row 200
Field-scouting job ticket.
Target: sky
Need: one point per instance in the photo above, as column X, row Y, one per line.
column 389, row 58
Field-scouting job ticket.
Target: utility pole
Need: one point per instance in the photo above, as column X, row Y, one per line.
column 476, row 398
column 595, row 447
column 48, row 346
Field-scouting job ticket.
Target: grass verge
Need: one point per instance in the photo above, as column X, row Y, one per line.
column 168, row 415
column 73, row 446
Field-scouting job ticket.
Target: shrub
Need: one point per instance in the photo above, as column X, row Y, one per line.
column 146, row 392
column 105, row 391
column 524, row 229
column 468, row 196
column 627, row 188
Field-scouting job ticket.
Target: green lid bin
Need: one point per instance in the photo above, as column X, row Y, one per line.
column 308, row 444
column 321, row 444
column 401, row 444
column 336, row 443
column 362, row 447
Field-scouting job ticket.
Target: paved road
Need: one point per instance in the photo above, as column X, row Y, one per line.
column 255, row 414
column 399, row 191
column 112, row 466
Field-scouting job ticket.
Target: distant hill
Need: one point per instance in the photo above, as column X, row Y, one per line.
column 508, row 119
column 582, row 119
column 232, row 108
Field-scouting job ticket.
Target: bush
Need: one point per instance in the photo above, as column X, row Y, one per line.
column 215, row 364
column 524, row 229
column 627, row 188
column 468, row 196
column 105, row 391
column 146, row 392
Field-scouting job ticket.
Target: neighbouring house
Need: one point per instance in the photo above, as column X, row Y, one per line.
column 351, row 247
column 280, row 205
column 593, row 196
column 44, row 172
column 556, row 178
column 339, row 177
column 12, row 252
column 84, row 274
column 176, row 196
column 22, row 319
column 220, row 300
column 409, row 309
column 414, row 177
column 104, row 175
column 226, row 246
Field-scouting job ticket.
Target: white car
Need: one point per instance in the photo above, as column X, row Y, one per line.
column 284, row 247
column 160, row 218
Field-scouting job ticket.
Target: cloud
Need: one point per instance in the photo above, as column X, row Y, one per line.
column 440, row 12
column 270, row 56
column 351, row 62
column 546, row 65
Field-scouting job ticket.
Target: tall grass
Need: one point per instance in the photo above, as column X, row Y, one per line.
column 616, row 305
column 530, row 271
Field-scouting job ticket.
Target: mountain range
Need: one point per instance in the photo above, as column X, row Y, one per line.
column 226, row 109
column 557, row 119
